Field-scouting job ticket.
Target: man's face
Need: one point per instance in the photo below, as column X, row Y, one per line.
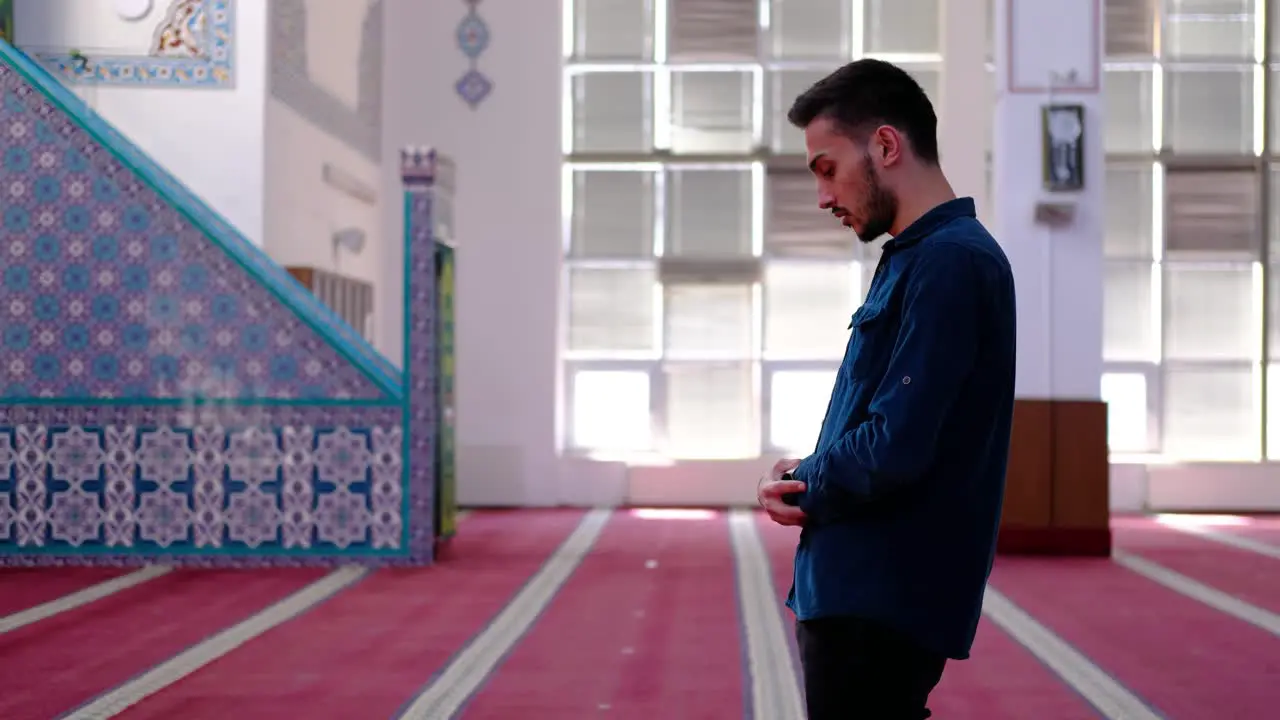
column 849, row 183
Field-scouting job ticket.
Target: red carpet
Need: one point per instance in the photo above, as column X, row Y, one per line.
column 647, row 628
column 61, row 662
column 1249, row 576
column 366, row 651
column 1182, row 657
column 1000, row 681
column 24, row 588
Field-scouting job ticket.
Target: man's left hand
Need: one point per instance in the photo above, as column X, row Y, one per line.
column 770, row 495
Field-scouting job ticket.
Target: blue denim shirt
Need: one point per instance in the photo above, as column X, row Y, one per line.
column 905, row 487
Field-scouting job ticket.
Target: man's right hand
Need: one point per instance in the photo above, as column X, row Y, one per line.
column 770, row 495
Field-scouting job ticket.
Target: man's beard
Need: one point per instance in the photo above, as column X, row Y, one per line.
column 880, row 208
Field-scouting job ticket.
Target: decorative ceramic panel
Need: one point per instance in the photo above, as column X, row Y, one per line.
column 192, row 45
column 118, row 283
column 167, row 392
column 203, row 485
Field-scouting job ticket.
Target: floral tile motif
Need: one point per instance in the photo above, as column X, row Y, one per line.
column 473, row 39
column 193, row 46
column 109, row 291
column 287, row 485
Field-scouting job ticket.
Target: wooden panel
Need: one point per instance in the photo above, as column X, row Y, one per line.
column 304, row 275
column 1081, row 467
column 1028, row 496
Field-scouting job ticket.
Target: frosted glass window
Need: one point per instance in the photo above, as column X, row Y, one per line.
column 1127, row 124
column 807, row 307
column 611, row 410
column 712, row 411
column 1211, row 110
column 613, row 30
column 810, row 30
column 797, row 404
column 1128, row 417
column 709, row 321
column 612, row 112
column 711, row 112
column 709, row 213
column 611, row 309
column 1211, row 414
column 613, row 214
column 1128, row 324
column 1210, row 313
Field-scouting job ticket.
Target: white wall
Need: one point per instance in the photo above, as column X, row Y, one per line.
column 210, row 138
column 320, row 77
column 508, row 227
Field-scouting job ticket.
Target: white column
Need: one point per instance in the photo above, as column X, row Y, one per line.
column 1058, row 270
column 963, row 103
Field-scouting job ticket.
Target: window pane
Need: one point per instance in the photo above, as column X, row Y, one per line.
column 611, row 309
column 709, row 321
column 807, row 306
column 1127, row 322
column 1273, row 411
column 1127, row 124
column 709, row 213
column 797, row 227
column 798, row 402
column 784, row 87
column 712, row 30
column 1209, row 313
column 901, row 26
column 1127, row 233
column 929, row 78
column 1273, row 236
column 712, row 411
column 612, row 112
column 1212, row 213
column 1127, row 417
column 1129, row 28
column 1273, row 337
column 1211, row 111
column 612, row 214
column 611, row 410
column 1210, row 414
column 809, row 29
column 613, row 29
column 1209, row 29
column 711, row 112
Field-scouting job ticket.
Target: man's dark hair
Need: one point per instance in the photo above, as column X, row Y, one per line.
column 868, row 93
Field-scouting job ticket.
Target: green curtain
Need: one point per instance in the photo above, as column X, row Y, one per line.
column 6, row 20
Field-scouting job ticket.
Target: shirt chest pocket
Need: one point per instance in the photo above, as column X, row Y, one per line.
column 870, row 343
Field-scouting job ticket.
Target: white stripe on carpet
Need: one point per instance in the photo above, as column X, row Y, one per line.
column 197, row 656
column 79, row 598
column 775, row 693
column 1235, row 541
column 1196, row 590
column 469, row 668
column 1108, row 696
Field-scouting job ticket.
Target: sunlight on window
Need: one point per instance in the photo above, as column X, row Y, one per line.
column 611, row 410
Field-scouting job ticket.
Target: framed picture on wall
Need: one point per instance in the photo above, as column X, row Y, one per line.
column 1062, row 141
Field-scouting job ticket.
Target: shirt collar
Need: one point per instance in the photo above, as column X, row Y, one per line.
column 930, row 221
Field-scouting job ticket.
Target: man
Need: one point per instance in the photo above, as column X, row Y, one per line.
column 900, row 502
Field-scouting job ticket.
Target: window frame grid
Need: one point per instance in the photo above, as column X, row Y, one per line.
column 661, row 160
column 1166, row 158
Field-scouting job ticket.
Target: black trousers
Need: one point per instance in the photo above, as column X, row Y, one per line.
column 856, row 669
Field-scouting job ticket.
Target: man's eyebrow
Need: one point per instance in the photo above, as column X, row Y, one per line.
column 816, row 157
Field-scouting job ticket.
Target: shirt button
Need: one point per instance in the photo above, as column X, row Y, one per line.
column 906, row 379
